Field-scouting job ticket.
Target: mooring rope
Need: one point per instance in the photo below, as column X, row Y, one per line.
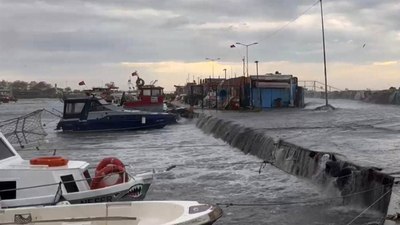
column 358, row 216
column 64, row 182
column 48, row 111
column 36, row 148
column 275, row 203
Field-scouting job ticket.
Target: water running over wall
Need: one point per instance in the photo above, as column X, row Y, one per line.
column 357, row 185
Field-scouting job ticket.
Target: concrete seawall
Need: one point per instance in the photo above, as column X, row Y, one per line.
column 358, row 185
column 391, row 96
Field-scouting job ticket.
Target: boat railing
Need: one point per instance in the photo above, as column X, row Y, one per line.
column 124, row 174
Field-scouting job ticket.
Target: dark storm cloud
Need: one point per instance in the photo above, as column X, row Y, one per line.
column 72, row 33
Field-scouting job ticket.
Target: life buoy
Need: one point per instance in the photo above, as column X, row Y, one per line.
column 106, row 161
column 139, row 82
column 51, row 161
column 102, row 178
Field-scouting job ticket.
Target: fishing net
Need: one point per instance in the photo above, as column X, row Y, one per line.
column 24, row 130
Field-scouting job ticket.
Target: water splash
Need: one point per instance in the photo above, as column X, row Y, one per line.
column 357, row 185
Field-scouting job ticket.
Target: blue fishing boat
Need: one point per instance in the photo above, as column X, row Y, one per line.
column 94, row 114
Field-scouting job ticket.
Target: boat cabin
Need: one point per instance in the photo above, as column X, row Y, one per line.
column 150, row 98
column 79, row 108
column 19, row 179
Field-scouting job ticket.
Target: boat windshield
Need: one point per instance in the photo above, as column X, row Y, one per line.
column 97, row 106
column 5, row 152
column 74, row 107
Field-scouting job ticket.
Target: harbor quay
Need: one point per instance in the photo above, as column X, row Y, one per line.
column 353, row 148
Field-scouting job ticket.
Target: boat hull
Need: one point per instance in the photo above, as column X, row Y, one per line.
column 119, row 213
column 116, row 123
column 133, row 190
column 126, row 192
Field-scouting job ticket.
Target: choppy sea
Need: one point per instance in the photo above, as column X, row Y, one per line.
column 207, row 170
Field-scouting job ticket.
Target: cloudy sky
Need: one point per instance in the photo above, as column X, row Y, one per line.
column 99, row 41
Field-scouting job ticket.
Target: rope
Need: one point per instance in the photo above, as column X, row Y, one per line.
column 58, row 193
column 196, row 165
column 288, row 23
column 53, row 113
column 355, row 218
column 274, row 203
column 144, row 147
column 59, row 183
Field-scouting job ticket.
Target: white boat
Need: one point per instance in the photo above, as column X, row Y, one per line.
column 115, row 213
column 48, row 180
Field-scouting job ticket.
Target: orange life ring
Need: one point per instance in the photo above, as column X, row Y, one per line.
column 51, row 161
column 106, row 161
column 99, row 179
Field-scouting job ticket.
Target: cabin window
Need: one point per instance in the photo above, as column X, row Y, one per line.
column 74, row 108
column 147, row 92
column 5, row 152
column 8, row 185
column 155, row 92
column 87, row 176
column 69, row 183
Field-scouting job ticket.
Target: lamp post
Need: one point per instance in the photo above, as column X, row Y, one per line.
column 212, row 63
column 225, row 73
column 247, row 54
column 324, row 52
column 244, row 66
column 259, row 89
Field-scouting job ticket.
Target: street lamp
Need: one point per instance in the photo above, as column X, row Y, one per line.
column 259, row 88
column 247, row 54
column 225, row 73
column 212, row 63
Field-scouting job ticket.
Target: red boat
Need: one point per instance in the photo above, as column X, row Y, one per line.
column 6, row 96
column 146, row 97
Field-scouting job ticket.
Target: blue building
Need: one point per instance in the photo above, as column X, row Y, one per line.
column 275, row 91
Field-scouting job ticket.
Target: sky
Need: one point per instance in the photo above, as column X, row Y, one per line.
column 99, row 41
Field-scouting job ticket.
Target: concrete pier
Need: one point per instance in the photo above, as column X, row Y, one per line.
column 354, row 148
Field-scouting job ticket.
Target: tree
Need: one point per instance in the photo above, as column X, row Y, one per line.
column 4, row 84
column 19, row 85
column 41, row 86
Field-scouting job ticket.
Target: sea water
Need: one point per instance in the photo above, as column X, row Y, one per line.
column 206, row 170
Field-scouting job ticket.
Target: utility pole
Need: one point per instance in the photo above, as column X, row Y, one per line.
column 324, row 52
column 258, row 82
column 244, row 73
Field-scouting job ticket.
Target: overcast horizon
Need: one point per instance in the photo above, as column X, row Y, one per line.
column 65, row 42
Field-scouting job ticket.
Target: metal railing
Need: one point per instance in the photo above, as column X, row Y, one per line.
column 313, row 85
